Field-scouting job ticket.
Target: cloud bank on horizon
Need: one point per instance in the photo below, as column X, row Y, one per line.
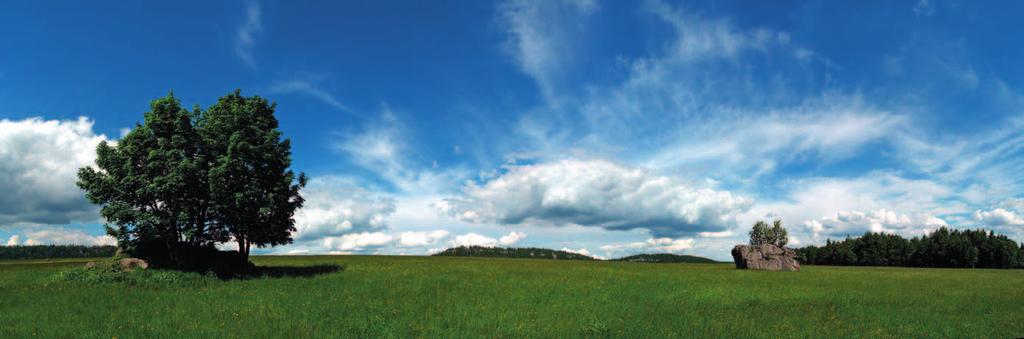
column 605, row 128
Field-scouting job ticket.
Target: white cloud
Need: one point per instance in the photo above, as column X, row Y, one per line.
column 39, row 162
column 14, row 240
column 356, row 241
column 744, row 144
column 511, row 238
column 245, row 39
column 335, row 206
column 854, row 223
column 64, row 236
column 595, row 193
column 379, row 145
column 414, row 239
column 583, row 251
column 310, row 89
column 722, row 234
column 382, row 148
column 700, row 38
column 541, row 36
column 999, row 217
column 473, row 239
column 818, row 208
column 653, row 244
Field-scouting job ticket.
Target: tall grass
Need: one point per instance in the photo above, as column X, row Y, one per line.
column 377, row 296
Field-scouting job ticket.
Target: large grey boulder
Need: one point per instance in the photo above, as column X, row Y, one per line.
column 129, row 264
column 765, row 257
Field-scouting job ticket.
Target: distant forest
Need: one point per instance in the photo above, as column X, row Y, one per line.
column 544, row 253
column 665, row 258
column 528, row 252
column 941, row 248
column 56, row 251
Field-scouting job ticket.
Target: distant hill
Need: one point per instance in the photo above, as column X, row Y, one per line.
column 500, row 252
column 665, row 258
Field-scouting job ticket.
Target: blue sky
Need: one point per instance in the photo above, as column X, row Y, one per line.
column 605, row 127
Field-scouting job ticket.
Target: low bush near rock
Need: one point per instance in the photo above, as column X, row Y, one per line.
column 114, row 272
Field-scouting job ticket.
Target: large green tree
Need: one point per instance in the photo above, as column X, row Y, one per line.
column 254, row 193
column 152, row 183
column 181, row 182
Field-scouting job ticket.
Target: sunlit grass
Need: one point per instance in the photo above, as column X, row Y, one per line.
column 488, row 297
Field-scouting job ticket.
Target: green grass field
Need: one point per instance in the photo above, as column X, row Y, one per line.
column 378, row 296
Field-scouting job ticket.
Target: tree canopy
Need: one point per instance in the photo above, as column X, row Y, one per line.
column 941, row 248
column 761, row 234
column 183, row 180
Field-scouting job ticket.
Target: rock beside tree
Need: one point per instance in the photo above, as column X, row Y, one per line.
column 123, row 264
column 765, row 257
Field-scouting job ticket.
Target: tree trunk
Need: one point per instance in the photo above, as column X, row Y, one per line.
column 243, row 248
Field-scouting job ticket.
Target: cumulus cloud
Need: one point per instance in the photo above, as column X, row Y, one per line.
column 596, row 193
column 61, row 236
column 473, row 239
column 511, row 238
column 851, row 206
column 39, row 162
column 335, row 206
column 999, row 217
column 583, row 251
column 356, row 241
column 722, row 234
column 653, row 244
column 414, row 239
column 14, row 240
column 855, row 223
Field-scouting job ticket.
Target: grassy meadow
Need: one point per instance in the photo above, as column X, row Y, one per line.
column 382, row 296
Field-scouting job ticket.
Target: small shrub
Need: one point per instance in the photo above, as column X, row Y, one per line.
column 762, row 234
column 110, row 272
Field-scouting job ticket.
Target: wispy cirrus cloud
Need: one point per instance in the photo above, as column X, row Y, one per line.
column 541, row 35
column 247, row 32
column 310, row 89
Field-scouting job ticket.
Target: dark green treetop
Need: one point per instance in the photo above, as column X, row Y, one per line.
column 254, row 194
column 152, row 183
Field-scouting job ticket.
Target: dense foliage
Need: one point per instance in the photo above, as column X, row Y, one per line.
column 776, row 235
column 665, row 258
column 941, row 248
column 55, row 251
column 526, row 252
column 183, row 181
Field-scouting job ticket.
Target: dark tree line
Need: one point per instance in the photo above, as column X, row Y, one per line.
column 184, row 181
column 55, row 251
column 664, row 258
column 941, row 248
column 527, row 252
